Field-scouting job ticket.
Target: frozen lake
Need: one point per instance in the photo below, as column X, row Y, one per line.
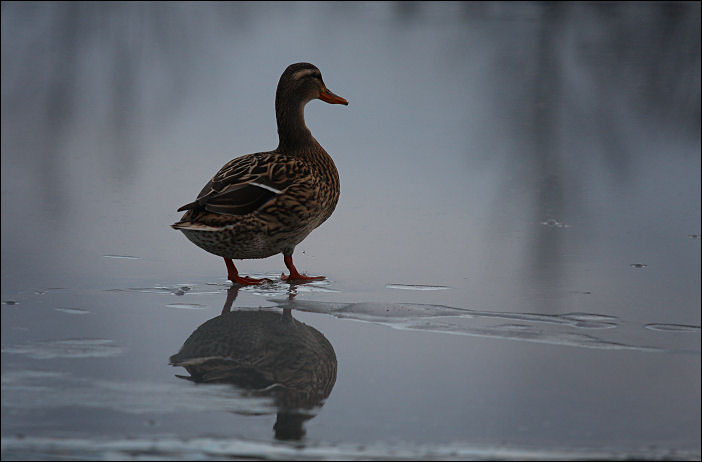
column 513, row 267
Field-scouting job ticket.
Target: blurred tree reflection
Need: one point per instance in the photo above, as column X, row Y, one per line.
column 113, row 68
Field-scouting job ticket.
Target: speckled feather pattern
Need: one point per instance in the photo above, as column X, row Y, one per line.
column 310, row 191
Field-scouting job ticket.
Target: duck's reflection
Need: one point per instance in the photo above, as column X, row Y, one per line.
column 266, row 351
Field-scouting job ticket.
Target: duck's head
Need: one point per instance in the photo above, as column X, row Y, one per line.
column 301, row 83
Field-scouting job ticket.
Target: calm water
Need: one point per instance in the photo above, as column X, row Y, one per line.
column 513, row 268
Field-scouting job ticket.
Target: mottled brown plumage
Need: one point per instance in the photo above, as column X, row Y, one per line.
column 266, row 203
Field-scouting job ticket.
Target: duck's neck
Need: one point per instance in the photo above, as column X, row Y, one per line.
column 295, row 139
column 293, row 134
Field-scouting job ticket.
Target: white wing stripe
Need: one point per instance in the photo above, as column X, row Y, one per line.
column 269, row 188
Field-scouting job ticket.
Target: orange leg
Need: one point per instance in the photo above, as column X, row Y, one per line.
column 294, row 275
column 233, row 275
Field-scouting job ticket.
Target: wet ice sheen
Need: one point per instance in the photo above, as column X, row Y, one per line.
column 559, row 329
column 673, row 327
column 207, row 448
column 133, row 397
column 186, row 306
column 554, row 223
column 175, row 290
column 72, row 311
column 415, row 287
column 71, row 348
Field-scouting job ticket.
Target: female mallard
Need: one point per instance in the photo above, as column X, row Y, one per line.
column 262, row 204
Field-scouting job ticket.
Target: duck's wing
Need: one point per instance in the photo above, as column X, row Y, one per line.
column 246, row 183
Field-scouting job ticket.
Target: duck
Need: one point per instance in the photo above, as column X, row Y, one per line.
column 263, row 204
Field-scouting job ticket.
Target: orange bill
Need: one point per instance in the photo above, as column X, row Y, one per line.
column 331, row 98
